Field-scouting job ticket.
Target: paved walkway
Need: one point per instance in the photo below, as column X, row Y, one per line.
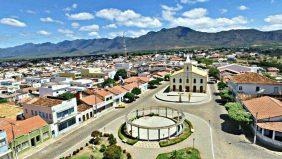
column 150, row 150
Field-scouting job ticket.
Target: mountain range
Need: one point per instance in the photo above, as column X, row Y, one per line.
column 178, row 37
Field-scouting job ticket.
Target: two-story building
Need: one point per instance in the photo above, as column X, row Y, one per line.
column 60, row 114
column 189, row 79
column 53, row 90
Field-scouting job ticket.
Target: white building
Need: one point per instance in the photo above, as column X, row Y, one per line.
column 53, row 90
column 60, row 114
column 126, row 66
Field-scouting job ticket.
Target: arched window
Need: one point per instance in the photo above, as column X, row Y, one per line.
column 180, row 80
column 202, row 80
column 187, row 80
column 194, row 80
column 173, row 88
column 174, row 80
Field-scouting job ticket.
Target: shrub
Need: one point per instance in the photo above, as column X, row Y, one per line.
column 67, row 96
column 167, row 77
column 124, row 137
column 81, row 148
column 113, row 152
column 106, row 134
column 3, row 100
column 221, row 85
column 96, row 133
column 136, row 91
column 86, row 144
column 124, row 151
column 185, row 134
column 129, row 96
column 108, row 82
column 97, row 141
column 122, row 73
column 128, row 155
column 103, row 148
column 112, row 140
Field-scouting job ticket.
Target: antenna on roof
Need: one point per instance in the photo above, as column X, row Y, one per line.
column 124, row 45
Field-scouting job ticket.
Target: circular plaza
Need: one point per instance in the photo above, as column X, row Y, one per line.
column 154, row 123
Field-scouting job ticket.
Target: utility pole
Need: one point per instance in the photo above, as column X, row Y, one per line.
column 95, row 94
column 14, row 145
column 255, row 136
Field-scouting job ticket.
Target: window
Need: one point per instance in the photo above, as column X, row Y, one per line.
column 174, row 80
column 32, row 113
column 202, row 81
column 180, row 80
column 65, row 112
column 257, row 89
column 66, row 124
column 195, row 80
column 187, row 80
column 2, row 142
column 240, row 88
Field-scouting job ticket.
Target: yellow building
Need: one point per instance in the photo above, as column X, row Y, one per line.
column 92, row 73
column 189, row 79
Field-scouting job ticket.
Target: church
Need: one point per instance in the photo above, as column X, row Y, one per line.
column 189, row 79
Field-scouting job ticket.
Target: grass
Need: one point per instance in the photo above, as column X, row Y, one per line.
column 185, row 134
column 186, row 153
column 124, row 137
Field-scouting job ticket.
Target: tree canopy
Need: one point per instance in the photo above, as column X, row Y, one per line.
column 136, row 91
column 214, row 72
column 108, row 82
column 67, row 96
column 122, row 73
column 237, row 113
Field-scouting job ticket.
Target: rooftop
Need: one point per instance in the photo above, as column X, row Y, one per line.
column 9, row 111
column 45, row 102
column 254, row 78
column 91, row 100
column 266, row 107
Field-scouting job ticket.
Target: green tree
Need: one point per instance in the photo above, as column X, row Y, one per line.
column 221, row 85
column 67, row 96
column 112, row 140
column 113, row 152
column 237, row 113
column 226, row 95
column 136, row 91
column 129, row 96
column 214, row 72
column 3, row 100
column 152, row 84
column 108, row 82
column 122, row 73
column 167, row 77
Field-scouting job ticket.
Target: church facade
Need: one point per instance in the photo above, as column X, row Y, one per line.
column 189, row 79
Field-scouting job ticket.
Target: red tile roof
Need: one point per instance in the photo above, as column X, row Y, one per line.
column 254, row 78
column 117, row 90
column 21, row 127
column 276, row 126
column 45, row 102
column 130, row 86
column 266, row 107
column 91, row 100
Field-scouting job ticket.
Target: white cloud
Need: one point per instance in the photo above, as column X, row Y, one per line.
column 192, row 1
column 72, row 7
column 129, row 18
column 31, row 12
column 43, row 32
column 80, row 16
column 12, row 22
column 93, row 33
column 50, row 20
column 91, row 28
column 197, row 19
column 242, row 7
column 274, row 23
column 110, row 26
column 115, row 34
column 75, row 25
column 136, row 33
column 222, row 11
column 65, row 31
column 195, row 13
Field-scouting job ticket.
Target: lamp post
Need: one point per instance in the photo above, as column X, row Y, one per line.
column 193, row 142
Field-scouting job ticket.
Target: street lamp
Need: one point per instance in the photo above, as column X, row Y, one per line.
column 193, row 142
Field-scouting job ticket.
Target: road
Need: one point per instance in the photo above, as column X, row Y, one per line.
column 226, row 144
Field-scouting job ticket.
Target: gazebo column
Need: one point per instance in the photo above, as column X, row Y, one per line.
column 138, row 132
column 148, row 134
column 168, row 133
column 273, row 135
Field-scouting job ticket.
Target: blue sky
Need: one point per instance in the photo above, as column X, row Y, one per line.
column 38, row 21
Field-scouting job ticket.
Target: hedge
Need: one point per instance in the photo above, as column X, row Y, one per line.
column 185, row 134
column 124, row 137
